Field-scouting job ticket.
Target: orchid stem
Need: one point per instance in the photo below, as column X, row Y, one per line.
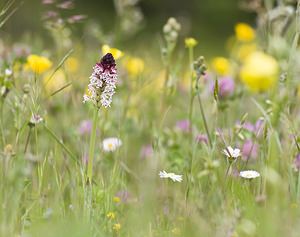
column 92, row 147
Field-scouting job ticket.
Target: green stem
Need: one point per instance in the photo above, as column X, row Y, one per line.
column 204, row 120
column 191, row 60
column 92, row 147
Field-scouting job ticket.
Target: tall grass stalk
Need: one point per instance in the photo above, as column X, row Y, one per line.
column 92, row 147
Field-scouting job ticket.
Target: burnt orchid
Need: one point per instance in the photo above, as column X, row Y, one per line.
column 102, row 82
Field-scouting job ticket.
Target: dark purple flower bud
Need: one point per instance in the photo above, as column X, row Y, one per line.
column 249, row 150
column 183, row 125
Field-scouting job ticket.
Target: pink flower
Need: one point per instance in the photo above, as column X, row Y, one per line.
column 183, row 125
column 226, row 87
column 201, row 138
column 85, row 127
column 146, row 151
column 297, row 162
column 249, row 150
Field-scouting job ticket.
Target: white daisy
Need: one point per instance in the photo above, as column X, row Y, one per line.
column 232, row 153
column 249, row 174
column 111, row 144
column 175, row 177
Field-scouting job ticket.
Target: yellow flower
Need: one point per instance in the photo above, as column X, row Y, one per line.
column 56, row 82
column 111, row 215
column 134, row 65
column 115, row 52
column 72, row 64
column 244, row 32
column 116, row 199
column 117, row 227
column 259, row 72
column 221, row 66
column 38, row 64
column 244, row 50
column 190, row 42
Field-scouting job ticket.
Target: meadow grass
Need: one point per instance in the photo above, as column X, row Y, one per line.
column 69, row 168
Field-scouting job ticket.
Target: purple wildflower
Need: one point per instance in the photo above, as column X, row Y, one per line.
column 146, row 151
column 102, row 82
column 201, row 138
column 297, row 162
column 183, row 125
column 249, row 150
column 226, row 87
column 85, row 127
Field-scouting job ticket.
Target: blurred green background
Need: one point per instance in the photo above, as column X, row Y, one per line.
column 210, row 21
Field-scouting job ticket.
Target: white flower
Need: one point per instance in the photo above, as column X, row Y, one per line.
column 232, row 153
column 8, row 72
column 35, row 119
column 111, row 144
column 249, row 174
column 175, row 177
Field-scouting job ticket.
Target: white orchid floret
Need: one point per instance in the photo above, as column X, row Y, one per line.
column 175, row 177
column 249, row 174
column 111, row 144
column 232, row 152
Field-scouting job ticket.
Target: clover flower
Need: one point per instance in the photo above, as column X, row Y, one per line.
column 111, row 144
column 102, row 82
column 226, row 87
column 175, row 177
column 249, row 174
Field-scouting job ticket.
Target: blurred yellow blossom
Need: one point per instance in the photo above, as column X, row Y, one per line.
column 38, row 64
column 115, row 52
column 244, row 50
column 221, row 66
column 56, row 82
column 134, row 65
column 259, row 72
column 117, row 227
column 111, row 215
column 72, row 64
column 190, row 42
column 116, row 199
column 244, row 32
